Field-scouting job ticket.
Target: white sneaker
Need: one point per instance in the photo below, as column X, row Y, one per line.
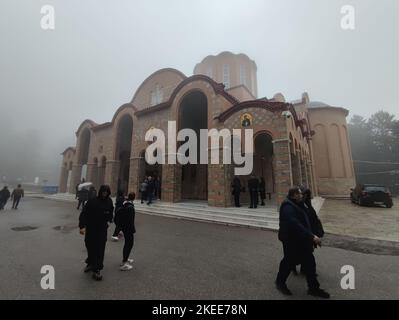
column 129, row 261
column 126, row 267
column 114, row 238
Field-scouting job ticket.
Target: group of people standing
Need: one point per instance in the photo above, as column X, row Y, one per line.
column 97, row 213
column 16, row 196
column 256, row 189
column 300, row 233
column 150, row 189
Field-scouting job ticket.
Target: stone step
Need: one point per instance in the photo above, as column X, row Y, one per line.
column 223, row 219
column 201, row 212
column 253, row 214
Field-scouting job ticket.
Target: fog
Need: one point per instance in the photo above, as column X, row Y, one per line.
column 101, row 51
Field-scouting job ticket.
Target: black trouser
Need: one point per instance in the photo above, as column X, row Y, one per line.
column 150, row 196
column 294, row 255
column 117, row 230
column 237, row 199
column 15, row 202
column 143, row 196
column 129, row 241
column 95, row 244
column 254, row 198
column 2, row 204
column 81, row 202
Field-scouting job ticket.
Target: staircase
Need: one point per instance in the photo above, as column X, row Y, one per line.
column 262, row 217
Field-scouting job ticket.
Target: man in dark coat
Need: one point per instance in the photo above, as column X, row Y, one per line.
column 93, row 223
column 16, row 196
column 4, row 196
column 126, row 222
column 298, row 244
column 253, row 188
column 150, row 190
column 236, row 185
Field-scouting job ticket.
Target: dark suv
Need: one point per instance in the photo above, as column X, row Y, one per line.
column 369, row 194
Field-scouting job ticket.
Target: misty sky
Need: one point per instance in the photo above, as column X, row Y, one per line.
column 101, row 51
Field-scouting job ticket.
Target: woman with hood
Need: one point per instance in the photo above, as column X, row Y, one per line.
column 93, row 223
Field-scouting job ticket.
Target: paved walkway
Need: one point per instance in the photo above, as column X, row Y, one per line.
column 345, row 218
column 174, row 259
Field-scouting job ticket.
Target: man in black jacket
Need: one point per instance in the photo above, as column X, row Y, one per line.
column 120, row 199
column 93, row 223
column 253, row 188
column 126, row 222
column 298, row 244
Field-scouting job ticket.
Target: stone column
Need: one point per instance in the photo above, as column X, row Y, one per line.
column 219, row 182
column 76, row 177
column 304, row 173
column 92, row 173
column 112, row 175
column 62, row 188
column 283, row 175
column 171, row 182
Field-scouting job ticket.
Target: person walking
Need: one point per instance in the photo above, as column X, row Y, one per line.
column 83, row 197
column 298, row 241
column 315, row 223
column 120, row 199
column 143, row 190
column 150, row 190
column 93, row 224
column 262, row 191
column 236, row 185
column 253, row 188
column 16, row 196
column 92, row 192
column 126, row 222
column 4, row 196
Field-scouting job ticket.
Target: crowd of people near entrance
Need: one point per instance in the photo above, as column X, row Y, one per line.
column 150, row 189
column 256, row 189
column 300, row 229
column 16, row 195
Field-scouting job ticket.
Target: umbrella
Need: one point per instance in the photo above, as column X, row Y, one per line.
column 85, row 185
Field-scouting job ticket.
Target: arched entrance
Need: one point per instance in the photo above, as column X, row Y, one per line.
column 69, row 175
column 263, row 160
column 123, row 151
column 84, row 152
column 193, row 114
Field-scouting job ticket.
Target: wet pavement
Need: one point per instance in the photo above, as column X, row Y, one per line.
column 345, row 218
column 175, row 259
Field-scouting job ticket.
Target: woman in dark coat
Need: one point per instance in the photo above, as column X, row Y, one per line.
column 4, row 196
column 93, row 223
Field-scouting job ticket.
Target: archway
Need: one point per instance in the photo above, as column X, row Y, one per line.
column 69, row 175
column 193, row 114
column 123, row 151
column 263, row 161
column 84, row 152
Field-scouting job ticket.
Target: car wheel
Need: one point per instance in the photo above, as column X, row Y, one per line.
column 389, row 205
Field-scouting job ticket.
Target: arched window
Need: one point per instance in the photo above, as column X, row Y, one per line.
column 156, row 95
column 226, row 76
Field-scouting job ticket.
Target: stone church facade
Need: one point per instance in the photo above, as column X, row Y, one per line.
column 299, row 142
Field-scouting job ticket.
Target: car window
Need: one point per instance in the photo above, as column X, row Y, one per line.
column 376, row 188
